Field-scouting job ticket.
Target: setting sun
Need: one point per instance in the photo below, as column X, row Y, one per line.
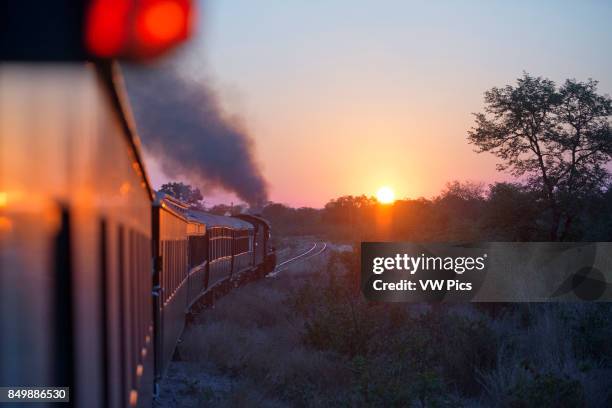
column 385, row 195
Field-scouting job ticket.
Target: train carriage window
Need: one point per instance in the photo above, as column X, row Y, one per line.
column 214, row 244
column 131, row 312
column 171, row 267
column 191, row 254
column 139, row 285
column 175, row 264
column 134, row 302
column 103, row 306
column 184, row 261
column 162, row 277
column 122, row 300
column 166, row 271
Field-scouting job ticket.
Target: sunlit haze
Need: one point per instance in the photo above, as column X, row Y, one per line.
column 344, row 96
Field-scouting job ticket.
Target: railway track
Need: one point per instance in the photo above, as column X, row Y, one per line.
column 316, row 249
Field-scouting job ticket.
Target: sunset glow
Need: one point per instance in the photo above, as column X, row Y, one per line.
column 371, row 93
column 385, row 195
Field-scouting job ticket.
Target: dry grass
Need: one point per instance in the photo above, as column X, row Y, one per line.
column 284, row 342
column 253, row 337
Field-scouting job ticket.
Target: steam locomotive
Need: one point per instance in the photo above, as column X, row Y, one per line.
column 97, row 272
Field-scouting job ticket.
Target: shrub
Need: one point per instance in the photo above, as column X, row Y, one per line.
column 547, row 390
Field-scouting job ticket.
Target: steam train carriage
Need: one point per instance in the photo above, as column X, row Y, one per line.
column 75, row 237
column 194, row 251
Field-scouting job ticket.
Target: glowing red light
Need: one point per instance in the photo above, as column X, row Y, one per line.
column 160, row 23
column 136, row 28
column 106, row 27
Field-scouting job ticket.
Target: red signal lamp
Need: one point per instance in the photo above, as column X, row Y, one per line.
column 136, row 29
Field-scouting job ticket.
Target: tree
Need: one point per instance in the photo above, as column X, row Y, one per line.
column 558, row 139
column 511, row 213
column 465, row 191
column 185, row 193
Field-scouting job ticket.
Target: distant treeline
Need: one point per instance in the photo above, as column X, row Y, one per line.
column 464, row 211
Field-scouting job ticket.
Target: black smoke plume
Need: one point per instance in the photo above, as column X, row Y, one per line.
column 182, row 125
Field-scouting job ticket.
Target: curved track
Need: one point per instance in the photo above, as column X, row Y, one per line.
column 301, row 257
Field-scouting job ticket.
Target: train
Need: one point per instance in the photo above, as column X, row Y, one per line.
column 98, row 272
column 193, row 253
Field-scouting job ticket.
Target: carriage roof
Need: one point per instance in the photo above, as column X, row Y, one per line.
column 193, row 215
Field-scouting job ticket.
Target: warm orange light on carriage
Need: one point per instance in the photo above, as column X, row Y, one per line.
column 6, row 225
column 136, row 28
